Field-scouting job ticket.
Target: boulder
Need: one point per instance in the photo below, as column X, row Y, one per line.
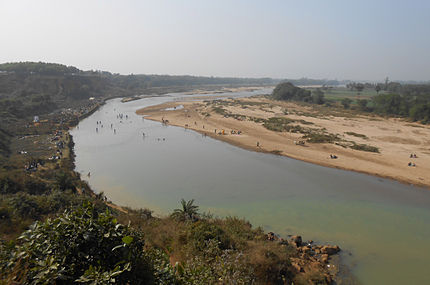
column 324, row 258
column 297, row 267
column 330, row 249
column 297, row 240
column 305, row 249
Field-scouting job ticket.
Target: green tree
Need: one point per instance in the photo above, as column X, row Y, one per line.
column 346, row 102
column 63, row 181
column 288, row 92
column 378, row 88
column 318, row 96
column 189, row 211
column 359, row 87
column 362, row 104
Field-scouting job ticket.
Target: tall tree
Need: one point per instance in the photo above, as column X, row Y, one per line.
column 189, row 211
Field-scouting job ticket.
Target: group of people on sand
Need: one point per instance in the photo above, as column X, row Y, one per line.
column 333, row 156
column 413, row 155
column 222, row 132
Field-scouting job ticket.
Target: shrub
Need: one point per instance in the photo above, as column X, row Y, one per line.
column 219, row 110
column 9, row 186
column 365, row 147
column 287, row 91
column 216, row 267
column 277, row 124
column 356, row 135
column 80, row 246
column 203, row 231
column 320, row 137
column 64, row 181
column 346, row 102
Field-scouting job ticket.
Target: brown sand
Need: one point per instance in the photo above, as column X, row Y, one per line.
column 395, row 138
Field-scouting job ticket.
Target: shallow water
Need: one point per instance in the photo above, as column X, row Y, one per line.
column 383, row 226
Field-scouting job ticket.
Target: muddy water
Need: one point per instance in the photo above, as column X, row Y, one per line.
column 383, row 226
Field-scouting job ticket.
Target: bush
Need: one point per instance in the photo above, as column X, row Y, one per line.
column 288, row 92
column 216, row 267
column 80, row 246
column 64, row 181
column 277, row 124
column 9, row 186
column 346, row 102
column 319, row 137
column 356, row 135
column 203, row 231
column 362, row 104
column 365, row 147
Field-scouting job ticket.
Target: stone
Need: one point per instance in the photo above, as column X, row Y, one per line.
column 305, row 249
column 330, row 249
column 324, row 258
column 297, row 267
column 297, row 240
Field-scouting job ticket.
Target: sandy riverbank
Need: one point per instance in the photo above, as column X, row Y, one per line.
column 396, row 139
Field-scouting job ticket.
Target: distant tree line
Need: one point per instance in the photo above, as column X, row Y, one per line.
column 39, row 68
column 408, row 100
column 314, row 82
column 34, row 88
column 286, row 91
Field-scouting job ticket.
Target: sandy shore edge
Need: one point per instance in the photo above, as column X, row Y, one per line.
column 159, row 113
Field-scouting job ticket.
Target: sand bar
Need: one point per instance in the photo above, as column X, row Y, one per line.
column 395, row 138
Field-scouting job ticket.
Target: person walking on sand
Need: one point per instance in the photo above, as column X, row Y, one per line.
column 258, row 144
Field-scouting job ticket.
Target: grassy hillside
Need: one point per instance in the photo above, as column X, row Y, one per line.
column 30, row 88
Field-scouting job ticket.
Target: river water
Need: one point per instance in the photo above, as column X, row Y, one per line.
column 382, row 226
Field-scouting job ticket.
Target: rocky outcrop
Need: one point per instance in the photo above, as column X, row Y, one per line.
column 297, row 240
column 310, row 259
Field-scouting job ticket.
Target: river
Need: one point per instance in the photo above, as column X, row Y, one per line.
column 382, row 226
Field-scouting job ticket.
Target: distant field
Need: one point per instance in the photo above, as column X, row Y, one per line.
column 338, row 93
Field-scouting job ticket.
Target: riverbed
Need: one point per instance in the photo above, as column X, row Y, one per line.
column 382, row 226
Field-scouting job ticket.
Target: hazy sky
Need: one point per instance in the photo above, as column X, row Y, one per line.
column 357, row 39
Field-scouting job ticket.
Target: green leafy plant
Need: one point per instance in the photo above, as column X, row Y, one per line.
column 189, row 211
column 80, row 246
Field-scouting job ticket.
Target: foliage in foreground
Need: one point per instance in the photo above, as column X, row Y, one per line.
column 89, row 246
column 81, row 246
